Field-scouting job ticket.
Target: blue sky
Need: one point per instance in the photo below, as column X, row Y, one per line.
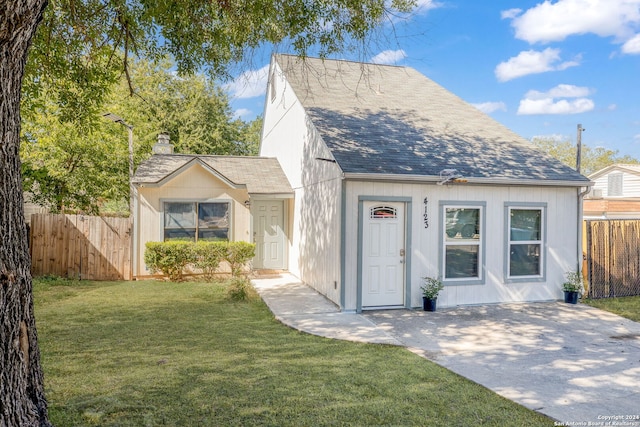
column 539, row 68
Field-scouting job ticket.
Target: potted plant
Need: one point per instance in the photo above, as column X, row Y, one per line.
column 573, row 287
column 430, row 290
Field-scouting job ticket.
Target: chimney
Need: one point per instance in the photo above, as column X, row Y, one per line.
column 163, row 146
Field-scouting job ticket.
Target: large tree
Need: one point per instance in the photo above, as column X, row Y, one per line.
column 193, row 109
column 592, row 159
column 70, row 166
column 77, row 49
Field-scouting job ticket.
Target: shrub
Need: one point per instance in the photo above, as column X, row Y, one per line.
column 238, row 256
column 240, row 289
column 171, row 258
column 574, row 282
column 208, row 256
column 431, row 287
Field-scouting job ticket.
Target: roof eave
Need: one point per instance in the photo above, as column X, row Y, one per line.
column 282, row 195
column 615, row 167
column 431, row 179
column 195, row 160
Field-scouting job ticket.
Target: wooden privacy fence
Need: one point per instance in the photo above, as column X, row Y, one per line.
column 613, row 258
column 81, row 247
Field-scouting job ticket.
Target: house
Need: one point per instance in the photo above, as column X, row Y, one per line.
column 200, row 197
column 31, row 208
column 395, row 179
column 615, row 193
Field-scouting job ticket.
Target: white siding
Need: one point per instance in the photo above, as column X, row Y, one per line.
column 630, row 184
column 31, row 208
column 426, row 242
column 315, row 217
column 314, row 251
column 194, row 184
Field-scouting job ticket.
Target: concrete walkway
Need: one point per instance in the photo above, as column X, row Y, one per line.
column 573, row 363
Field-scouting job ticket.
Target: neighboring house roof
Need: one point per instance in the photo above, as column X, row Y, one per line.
column 390, row 120
column 621, row 167
column 259, row 175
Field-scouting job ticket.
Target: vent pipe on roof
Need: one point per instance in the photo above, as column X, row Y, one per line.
column 163, row 146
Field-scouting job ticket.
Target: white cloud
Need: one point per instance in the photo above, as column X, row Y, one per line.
column 632, row 46
column 424, row 6
column 568, row 64
column 532, row 62
column 536, row 102
column 549, row 22
column 637, row 137
column 490, row 107
column 389, row 57
column 242, row 112
column 510, row 14
column 549, row 106
column 560, row 91
column 250, row 84
column 612, row 107
column 554, row 136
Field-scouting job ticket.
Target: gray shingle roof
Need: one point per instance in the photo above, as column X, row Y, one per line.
column 260, row 175
column 380, row 119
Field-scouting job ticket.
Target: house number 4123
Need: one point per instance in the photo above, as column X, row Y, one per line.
column 426, row 215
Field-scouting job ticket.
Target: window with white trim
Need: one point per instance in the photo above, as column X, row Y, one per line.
column 462, row 242
column 195, row 221
column 526, row 242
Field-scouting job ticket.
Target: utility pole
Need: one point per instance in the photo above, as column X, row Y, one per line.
column 120, row 120
column 579, row 150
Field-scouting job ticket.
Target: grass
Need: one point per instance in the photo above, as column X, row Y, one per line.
column 182, row 354
column 628, row 307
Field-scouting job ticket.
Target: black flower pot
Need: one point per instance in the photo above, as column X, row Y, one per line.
column 571, row 297
column 429, row 304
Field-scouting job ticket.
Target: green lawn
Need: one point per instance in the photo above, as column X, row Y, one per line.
column 154, row 353
column 628, row 307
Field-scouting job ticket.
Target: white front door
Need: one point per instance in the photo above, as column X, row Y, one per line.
column 383, row 254
column 268, row 234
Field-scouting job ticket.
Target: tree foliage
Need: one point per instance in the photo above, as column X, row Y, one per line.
column 592, row 159
column 79, row 49
column 192, row 109
column 87, row 44
column 69, row 166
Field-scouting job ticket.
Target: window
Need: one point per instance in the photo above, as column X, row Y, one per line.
column 383, row 212
column 525, row 242
column 196, row 221
column 614, row 184
column 462, row 247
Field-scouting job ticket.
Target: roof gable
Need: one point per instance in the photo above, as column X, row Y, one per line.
column 191, row 163
column 379, row 119
column 259, row 175
column 618, row 167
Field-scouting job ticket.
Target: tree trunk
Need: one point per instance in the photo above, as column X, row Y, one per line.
column 22, row 400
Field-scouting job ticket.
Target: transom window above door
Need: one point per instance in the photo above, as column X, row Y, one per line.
column 193, row 221
column 383, row 212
